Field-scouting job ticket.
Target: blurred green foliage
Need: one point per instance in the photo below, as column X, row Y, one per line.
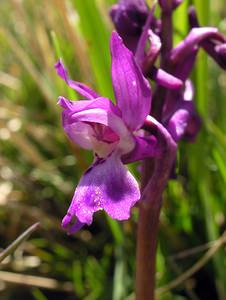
column 40, row 167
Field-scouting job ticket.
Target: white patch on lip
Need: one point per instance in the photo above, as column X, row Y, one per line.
column 103, row 149
column 134, row 83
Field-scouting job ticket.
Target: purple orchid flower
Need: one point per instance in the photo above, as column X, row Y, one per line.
column 184, row 120
column 114, row 134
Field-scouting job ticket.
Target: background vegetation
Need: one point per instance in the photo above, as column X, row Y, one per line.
column 39, row 167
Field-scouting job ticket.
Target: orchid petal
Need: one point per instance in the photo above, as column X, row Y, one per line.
column 221, row 55
column 193, row 128
column 101, row 139
column 154, row 39
column 79, row 87
column 177, row 99
column 216, row 46
column 178, row 123
column 183, row 69
column 132, row 90
column 107, row 185
column 184, row 121
column 146, row 146
column 165, row 79
column 155, row 46
column 129, row 16
column 188, row 91
column 216, row 51
column 97, row 116
column 71, row 227
column 101, row 116
column 77, row 106
column 191, row 42
column 80, row 133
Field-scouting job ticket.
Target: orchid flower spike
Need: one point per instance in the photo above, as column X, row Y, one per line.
column 137, row 25
column 114, row 134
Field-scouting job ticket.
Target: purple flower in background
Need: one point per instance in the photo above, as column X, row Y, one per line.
column 181, row 118
column 136, row 24
column 192, row 42
column 129, row 18
column 215, row 45
column 114, row 134
column 179, row 115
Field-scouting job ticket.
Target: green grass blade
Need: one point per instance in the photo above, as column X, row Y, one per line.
column 205, row 186
column 59, row 54
column 97, row 36
column 180, row 22
column 12, row 247
column 119, row 283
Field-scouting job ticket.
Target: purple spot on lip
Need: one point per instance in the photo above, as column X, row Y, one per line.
column 98, row 161
column 88, row 170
